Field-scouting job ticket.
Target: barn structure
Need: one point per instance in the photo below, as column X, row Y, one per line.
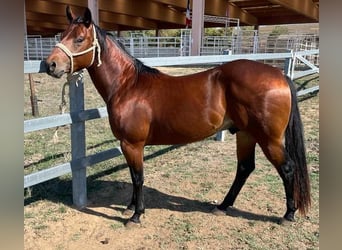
column 47, row 18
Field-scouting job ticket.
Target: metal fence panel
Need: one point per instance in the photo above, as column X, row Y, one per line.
column 239, row 42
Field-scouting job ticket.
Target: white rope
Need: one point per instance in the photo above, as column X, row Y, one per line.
column 62, row 108
column 93, row 48
column 74, row 77
column 80, row 74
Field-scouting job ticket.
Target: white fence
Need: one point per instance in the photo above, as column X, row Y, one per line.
column 77, row 116
column 241, row 42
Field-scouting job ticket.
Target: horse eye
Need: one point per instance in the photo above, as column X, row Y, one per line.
column 79, row 39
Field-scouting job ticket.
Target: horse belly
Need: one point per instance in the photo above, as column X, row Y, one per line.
column 186, row 129
column 192, row 110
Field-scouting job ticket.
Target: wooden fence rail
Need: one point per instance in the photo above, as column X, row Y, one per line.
column 78, row 116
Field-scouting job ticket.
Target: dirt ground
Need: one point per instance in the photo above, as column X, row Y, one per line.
column 182, row 185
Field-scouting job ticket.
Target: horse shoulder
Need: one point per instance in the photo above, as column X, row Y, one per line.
column 130, row 119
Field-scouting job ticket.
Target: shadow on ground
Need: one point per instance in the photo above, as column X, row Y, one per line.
column 117, row 194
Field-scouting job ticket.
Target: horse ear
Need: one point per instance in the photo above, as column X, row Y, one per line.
column 87, row 17
column 69, row 14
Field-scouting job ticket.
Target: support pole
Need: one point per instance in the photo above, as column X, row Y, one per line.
column 78, row 144
column 94, row 8
column 288, row 66
column 197, row 26
column 25, row 24
column 220, row 135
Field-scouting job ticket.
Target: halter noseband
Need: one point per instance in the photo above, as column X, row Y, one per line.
column 93, row 48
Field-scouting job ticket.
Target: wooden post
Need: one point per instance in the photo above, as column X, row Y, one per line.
column 33, row 97
column 78, row 144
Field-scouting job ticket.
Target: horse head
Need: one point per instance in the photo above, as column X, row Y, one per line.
column 77, row 47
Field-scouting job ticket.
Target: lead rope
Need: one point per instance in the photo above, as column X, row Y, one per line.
column 62, row 106
column 79, row 74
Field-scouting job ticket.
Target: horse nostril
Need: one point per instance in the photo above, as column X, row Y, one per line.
column 52, row 66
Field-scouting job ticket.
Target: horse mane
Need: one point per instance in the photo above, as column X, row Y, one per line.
column 101, row 36
column 138, row 65
column 142, row 68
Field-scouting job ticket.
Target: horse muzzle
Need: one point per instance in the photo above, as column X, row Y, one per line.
column 52, row 70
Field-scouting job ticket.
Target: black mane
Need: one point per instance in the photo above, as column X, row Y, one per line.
column 142, row 68
column 139, row 66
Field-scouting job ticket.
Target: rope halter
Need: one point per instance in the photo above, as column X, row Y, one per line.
column 93, row 48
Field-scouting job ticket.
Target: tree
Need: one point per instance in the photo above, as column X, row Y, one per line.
column 279, row 30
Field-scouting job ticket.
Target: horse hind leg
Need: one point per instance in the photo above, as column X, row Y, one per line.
column 286, row 172
column 277, row 155
column 245, row 145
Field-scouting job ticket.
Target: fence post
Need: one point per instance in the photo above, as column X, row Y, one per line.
column 288, row 65
column 220, row 135
column 78, row 145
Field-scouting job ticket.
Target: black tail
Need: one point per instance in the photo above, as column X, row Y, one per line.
column 294, row 144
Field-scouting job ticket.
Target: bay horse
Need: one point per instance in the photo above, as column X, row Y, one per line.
column 253, row 100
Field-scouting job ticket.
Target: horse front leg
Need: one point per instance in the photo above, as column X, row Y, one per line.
column 131, row 206
column 134, row 157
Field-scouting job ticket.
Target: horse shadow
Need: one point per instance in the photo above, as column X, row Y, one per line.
column 120, row 196
column 116, row 195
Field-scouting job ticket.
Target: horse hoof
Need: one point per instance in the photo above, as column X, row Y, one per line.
column 127, row 212
column 218, row 212
column 132, row 224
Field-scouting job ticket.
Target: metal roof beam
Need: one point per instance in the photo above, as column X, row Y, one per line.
column 244, row 16
column 52, row 7
column 109, row 26
column 46, row 25
column 178, row 3
column 217, row 8
column 41, row 18
column 305, row 7
column 144, row 8
column 125, row 20
column 83, row 3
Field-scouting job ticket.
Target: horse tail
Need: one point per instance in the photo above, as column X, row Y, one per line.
column 294, row 145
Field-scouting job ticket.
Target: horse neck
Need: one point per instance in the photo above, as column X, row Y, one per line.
column 117, row 71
